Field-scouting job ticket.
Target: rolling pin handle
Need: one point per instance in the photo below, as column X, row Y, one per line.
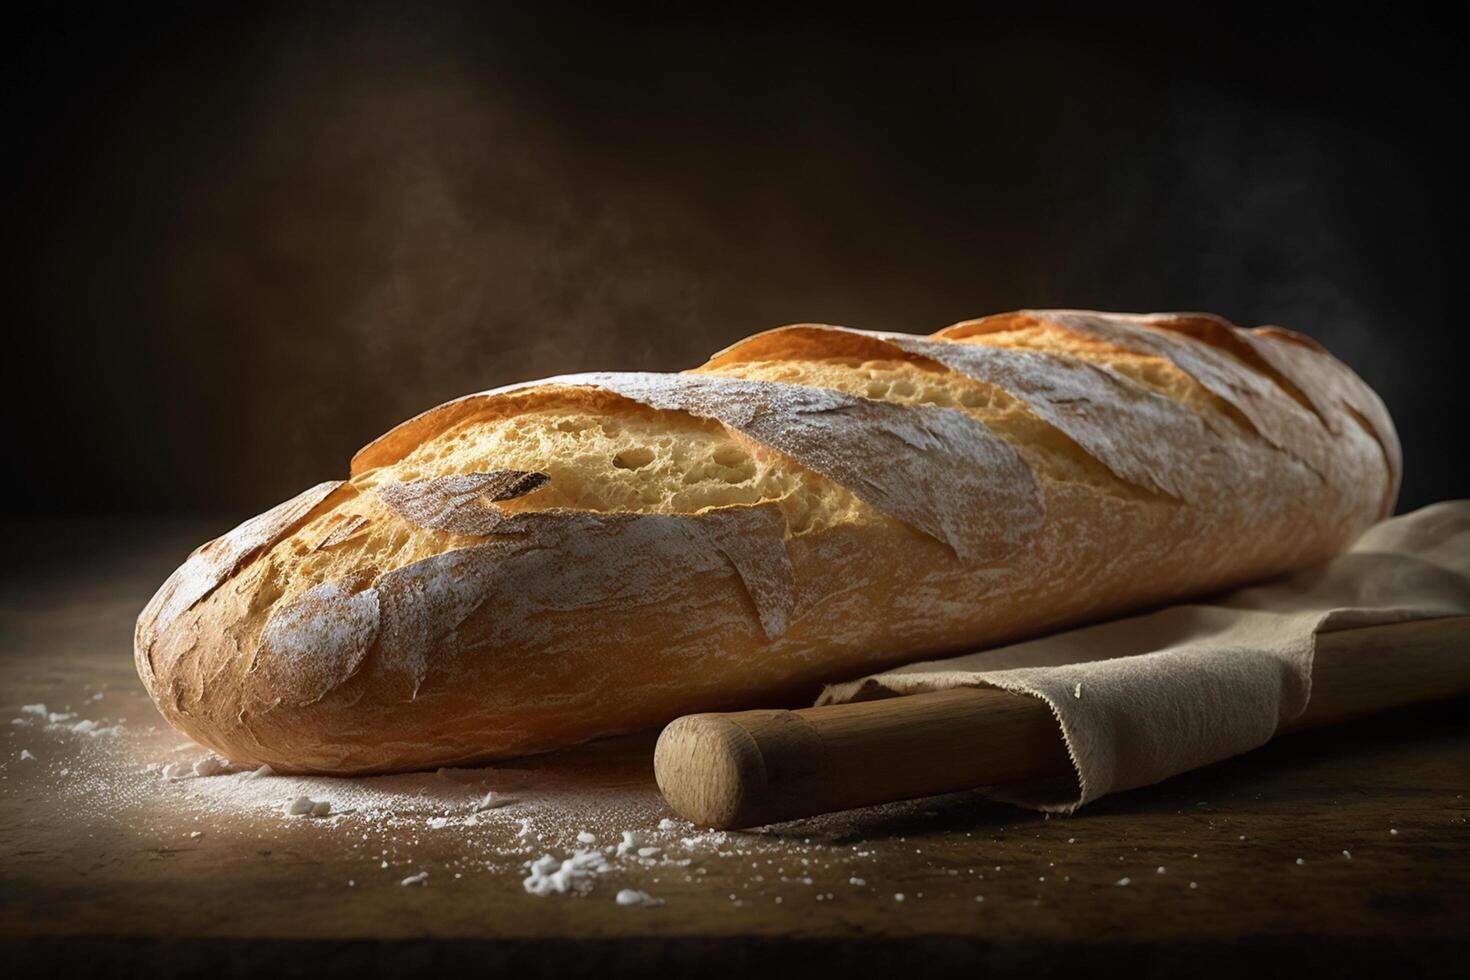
column 709, row 769
column 748, row 768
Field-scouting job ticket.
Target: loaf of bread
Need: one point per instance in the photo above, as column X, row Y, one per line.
column 548, row 562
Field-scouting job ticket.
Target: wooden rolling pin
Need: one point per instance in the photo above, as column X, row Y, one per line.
column 748, row 768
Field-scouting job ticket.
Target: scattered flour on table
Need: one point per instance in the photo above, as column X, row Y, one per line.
column 632, row 896
column 493, row 801
column 574, row 876
column 64, row 722
column 305, row 806
column 560, row 826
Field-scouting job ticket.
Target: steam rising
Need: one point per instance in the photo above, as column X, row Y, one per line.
column 268, row 237
column 394, row 236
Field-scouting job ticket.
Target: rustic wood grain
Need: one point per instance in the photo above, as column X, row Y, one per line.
column 123, row 888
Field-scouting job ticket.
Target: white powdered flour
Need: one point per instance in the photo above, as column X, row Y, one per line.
column 587, row 822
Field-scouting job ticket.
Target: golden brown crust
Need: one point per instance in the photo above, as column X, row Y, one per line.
column 536, row 565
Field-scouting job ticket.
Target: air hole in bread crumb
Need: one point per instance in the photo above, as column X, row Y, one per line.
column 730, row 456
column 633, row 459
column 974, row 398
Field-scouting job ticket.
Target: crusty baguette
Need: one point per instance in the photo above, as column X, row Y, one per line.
column 544, row 563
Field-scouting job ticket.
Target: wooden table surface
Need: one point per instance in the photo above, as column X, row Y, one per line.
column 1345, row 850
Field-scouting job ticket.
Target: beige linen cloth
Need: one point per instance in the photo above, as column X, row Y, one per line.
column 1147, row 697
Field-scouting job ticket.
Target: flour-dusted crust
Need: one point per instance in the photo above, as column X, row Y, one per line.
column 814, row 503
column 1277, row 419
column 317, row 641
column 1118, row 421
column 899, row 460
column 213, row 562
column 457, row 503
column 1340, row 397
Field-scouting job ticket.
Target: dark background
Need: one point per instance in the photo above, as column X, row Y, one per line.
column 245, row 240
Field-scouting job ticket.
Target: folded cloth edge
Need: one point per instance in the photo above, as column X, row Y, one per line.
column 1143, row 698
